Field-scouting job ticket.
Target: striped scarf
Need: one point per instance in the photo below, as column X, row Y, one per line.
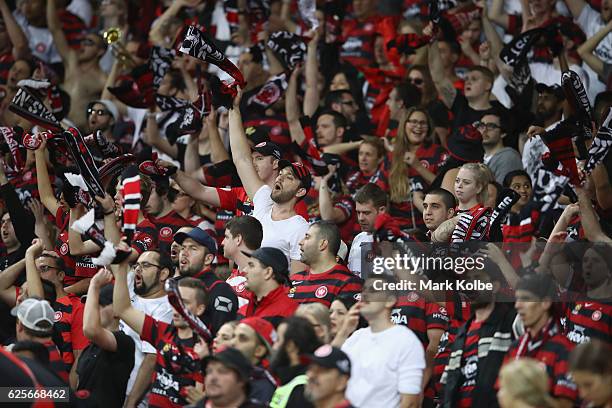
column 473, row 225
column 131, row 201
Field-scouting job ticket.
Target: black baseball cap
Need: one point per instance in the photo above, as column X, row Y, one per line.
column 554, row 89
column 268, row 149
column 198, row 235
column 232, row 359
column 330, row 357
column 274, row 258
column 300, row 171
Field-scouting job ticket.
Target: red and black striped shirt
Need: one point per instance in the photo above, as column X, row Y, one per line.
column 166, row 228
column 552, row 348
column 324, row 287
column 358, row 41
column 57, row 364
column 419, row 316
column 177, row 366
column 68, row 327
column 588, row 320
column 469, row 365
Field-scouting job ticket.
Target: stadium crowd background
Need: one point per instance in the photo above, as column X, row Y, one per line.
column 253, row 152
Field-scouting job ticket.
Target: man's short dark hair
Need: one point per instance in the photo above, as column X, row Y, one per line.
column 486, row 72
column 336, row 96
column 371, row 193
column 338, row 118
column 603, row 100
column 256, row 54
column 447, row 197
column 409, row 94
column 249, row 228
column 198, row 285
column 165, row 262
column 329, row 231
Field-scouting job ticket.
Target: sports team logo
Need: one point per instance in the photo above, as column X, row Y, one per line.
column 596, row 315
column 165, row 232
column 321, row 292
column 57, row 316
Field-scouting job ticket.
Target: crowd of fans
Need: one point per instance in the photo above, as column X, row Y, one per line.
column 254, row 156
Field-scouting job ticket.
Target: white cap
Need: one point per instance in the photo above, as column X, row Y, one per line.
column 109, row 105
column 35, row 314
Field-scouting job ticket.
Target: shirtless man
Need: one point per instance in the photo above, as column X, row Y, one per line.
column 80, row 64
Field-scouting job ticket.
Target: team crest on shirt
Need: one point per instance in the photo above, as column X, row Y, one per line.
column 240, row 287
column 413, row 297
column 321, row 292
column 276, row 130
column 357, row 296
column 64, row 249
column 27, row 176
column 596, row 315
column 368, row 27
column 165, row 232
column 57, row 316
column 443, row 310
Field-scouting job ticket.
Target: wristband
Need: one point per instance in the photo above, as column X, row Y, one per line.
column 109, row 213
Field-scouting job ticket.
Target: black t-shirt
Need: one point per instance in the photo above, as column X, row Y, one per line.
column 464, row 115
column 105, row 373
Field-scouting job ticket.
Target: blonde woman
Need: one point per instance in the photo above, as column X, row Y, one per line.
column 472, row 220
column 319, row 317
column 414, row 163
column 524, row 383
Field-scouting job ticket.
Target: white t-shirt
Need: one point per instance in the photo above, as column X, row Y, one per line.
column 160, row 309
column 383, row 366
column 285, row 234
column 591, row 22
column 354, row 258
column 550, row 75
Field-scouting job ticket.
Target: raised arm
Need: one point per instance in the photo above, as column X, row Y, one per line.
column 311, row 97
column 195, row 189
column 588, row 219
column 21, row 48
column 241, row 152
column 10, row 274
column 45, row 190
column 497, row 15
column 586, row 49
column 575, row 6
column 77, row 246
column 292, row 109
column 92, row 328
column 156, row 35
column 154, row 139
column 326, row 204
column 59, row 39
column 110, row 82
column 35, row 287
column 218, row 153
column 21, row 220
column 121, row 300
column 191, row 163
column 445, row 87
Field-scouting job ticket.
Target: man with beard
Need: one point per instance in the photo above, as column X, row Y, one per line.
column 196, row 256
column 274, row 207
column 296, row 337
column 325, row 279
column 500, row 159
column 82, row 67
column 328, row 374
column 147, row 295
column 179, row 349
column 480, row 346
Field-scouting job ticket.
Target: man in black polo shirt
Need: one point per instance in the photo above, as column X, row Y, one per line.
column 197, row 253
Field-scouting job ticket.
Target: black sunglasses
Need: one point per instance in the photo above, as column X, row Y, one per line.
column 416, row 81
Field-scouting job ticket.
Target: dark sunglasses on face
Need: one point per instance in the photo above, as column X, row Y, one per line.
column 416, row 81
column 99, row 112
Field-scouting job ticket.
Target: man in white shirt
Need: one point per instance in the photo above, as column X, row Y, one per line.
column 147, row 294
column 274, row 206
column 370, row 200
column 387, row 360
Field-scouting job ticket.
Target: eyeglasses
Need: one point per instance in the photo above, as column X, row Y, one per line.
column 488, row 126
column 422, row 123
column 99, row 112
column 145, row 265
column 88, row 42
column 348, row 103
column 46, row 268
column 416, row 81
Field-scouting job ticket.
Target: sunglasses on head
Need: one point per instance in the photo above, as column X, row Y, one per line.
column 99, row 112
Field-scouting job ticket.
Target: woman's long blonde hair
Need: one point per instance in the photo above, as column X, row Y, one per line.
column 482, row 176
column 526, row 380
column 399, row 184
